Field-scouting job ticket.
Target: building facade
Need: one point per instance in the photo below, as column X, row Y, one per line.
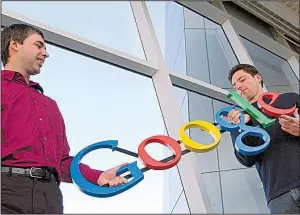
column 131, row 70
column 200, row 48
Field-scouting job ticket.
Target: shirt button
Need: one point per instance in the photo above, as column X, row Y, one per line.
column 35, row 102
column 45, row 138
column 47, row 159
column 41, row 119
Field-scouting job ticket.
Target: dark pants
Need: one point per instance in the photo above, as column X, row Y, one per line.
column 287, row 203
column 22, row 194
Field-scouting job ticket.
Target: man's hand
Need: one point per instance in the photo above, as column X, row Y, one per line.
column 234, row 117
column 109, row 177
column 290, row 124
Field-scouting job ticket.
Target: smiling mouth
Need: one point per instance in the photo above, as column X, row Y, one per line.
column 40, row 62
column 243, row 91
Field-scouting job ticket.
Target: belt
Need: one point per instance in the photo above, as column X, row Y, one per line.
column 32, row 172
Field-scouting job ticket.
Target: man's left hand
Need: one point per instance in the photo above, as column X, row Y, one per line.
column 109, row 177
column 290, row 124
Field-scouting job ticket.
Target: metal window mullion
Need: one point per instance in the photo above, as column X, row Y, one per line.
column 154, row 55
column 219, row 16
column 196, row 194
column 260, row 39
column 237, row 45
column 200, row 87
column 83, row 46
column 196, row 198
column 147, row 33
column 294, row 64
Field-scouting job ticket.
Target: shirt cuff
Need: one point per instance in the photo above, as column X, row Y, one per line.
column 89, row 174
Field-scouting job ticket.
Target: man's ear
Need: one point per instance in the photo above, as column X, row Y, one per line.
column 258, row 77
column 14, row 45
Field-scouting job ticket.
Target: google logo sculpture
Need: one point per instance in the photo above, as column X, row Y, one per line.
column 214, row 130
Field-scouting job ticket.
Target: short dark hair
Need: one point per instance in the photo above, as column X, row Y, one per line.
column 247, row 68
column 17, row 32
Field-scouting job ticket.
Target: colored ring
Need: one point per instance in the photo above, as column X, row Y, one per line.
column 269, row 109
column 193, row 145
column 227, row 126
column 95, row 190
column 151, row 163
column 252, row 150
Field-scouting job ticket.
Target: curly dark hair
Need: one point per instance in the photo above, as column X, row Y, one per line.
column 247, row 68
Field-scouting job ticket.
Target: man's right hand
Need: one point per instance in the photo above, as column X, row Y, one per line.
column 234, row 117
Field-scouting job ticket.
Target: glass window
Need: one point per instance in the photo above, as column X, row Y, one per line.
column 170, row 12
column 243, row 192
column 221, row 161
column 213, row 190
column 209, row 56
column 284, row 89
column 220, row 57
column 276, row 71
column 193, row 20
column 174, row 33
column 192, row 108
column 196, row 54
column 182, row 102
column 198, row 111
column 227, row 159
column 180, row 61
column 102, row 102
column 157, row 12
column 175, row 188
column 181, row 206
column 119, row 31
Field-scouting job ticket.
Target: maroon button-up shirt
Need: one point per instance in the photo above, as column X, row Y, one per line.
column 33, row 129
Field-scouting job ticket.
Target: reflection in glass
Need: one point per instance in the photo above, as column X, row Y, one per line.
column 220, row 161
column 226, row 155
column 181, row 206
column 102, row 102
column 95, row 22
column 212, row 185
column 175, row 38
column 196, row 54
column 276, row 71
column 175, row 188
column 157, row 12
column 208, row 55
column 242, row 192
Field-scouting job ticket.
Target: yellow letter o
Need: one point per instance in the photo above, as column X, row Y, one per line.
column 193, row 145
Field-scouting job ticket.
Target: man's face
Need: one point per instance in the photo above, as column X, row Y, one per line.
column 32, row 54
column 245, row 84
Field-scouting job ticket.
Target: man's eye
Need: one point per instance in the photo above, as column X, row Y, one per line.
column 39, row 46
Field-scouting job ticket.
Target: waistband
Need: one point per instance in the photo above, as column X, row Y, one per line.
column 39, row 173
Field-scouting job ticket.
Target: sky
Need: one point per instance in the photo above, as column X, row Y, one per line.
column 101, row 102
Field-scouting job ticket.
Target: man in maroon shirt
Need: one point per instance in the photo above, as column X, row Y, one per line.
column 34, row 148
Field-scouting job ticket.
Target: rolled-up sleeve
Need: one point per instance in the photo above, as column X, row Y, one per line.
column 90, row 174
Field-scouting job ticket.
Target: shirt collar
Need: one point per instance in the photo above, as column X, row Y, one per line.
column 10, row 75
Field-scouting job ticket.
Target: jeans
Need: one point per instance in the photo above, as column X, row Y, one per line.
column 288, row 202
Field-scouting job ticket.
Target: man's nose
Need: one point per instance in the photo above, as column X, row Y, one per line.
column 238, row 86
column 45, row 54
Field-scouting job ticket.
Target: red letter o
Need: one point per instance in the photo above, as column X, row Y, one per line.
column 151, row 163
